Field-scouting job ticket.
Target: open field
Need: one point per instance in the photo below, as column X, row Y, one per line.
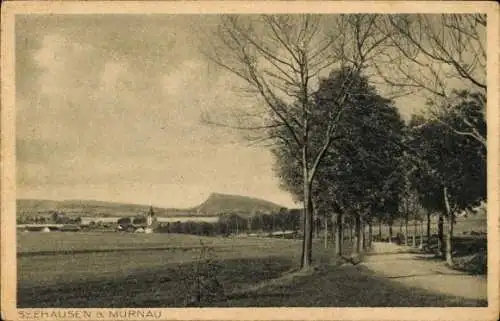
column 82, row 265
column 94, row 241
column 156, row 270
column 463, row 226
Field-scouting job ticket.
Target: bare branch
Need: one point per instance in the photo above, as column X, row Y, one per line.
column 446, row 41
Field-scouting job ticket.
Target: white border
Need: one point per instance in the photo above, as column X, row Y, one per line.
column 8, row 175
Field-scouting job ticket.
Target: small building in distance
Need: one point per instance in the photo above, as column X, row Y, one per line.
column 139, row 224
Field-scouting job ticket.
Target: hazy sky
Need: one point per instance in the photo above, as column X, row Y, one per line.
column 108, row 108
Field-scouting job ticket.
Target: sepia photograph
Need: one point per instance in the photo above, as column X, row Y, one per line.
column 247, row 159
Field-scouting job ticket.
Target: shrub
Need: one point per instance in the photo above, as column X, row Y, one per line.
column 203, row 284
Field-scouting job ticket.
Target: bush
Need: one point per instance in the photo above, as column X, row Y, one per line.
column 203, row 285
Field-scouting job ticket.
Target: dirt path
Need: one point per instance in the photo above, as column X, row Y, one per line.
column 394, row 262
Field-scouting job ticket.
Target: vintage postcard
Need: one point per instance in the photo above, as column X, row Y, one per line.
column 249, row 160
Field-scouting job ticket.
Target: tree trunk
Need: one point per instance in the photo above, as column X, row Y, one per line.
column 333, row 232
column 316, row 220
column 428, row 226
column 354, row 237
column 308, row 217
column 364, row 241
column 326, row 232
column 339, row 239
column 440, row 235
column 379, row 230
column 311, row 231
column 390, row 232
column 449, row 241
column 350, row 232
column 318, row 227
column 315, row 227
column 406, row 229
column 449, row 235
column 414, row 236
column 370, row 234
column 332, row 228
column 357, row 246
column 363, row 238
column 421, row 234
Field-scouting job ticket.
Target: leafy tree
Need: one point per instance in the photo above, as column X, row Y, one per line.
column 281, row 219
column 223, row 228
column 454, row 167
column 363, row 172
column 268, row 222
column 139, row 220
column 360, row 172
column 279, row 58
column 410, row 207
column 256, row 222
column 125, row 222
column 235, row 223
column 388, row 213
column 294, row 219
column 207, row 229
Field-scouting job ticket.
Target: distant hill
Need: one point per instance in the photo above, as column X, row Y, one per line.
column 89, row 208
column 215, row 204
column 36, row 204
column 223, row 203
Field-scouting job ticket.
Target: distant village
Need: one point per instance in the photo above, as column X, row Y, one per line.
column 283, row 223
column 142, row 223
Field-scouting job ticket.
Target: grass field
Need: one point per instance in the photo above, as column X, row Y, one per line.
column 463, row 226
column 92, row 268
column 155, row 270
column 95, row 241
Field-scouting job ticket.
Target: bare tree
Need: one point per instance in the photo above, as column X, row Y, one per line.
column 280, row 58
column 439, row 55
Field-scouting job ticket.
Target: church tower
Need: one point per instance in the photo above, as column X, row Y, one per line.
column 149, row 218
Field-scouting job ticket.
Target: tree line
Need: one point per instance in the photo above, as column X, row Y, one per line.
column 340, row 144
column 234, row 224
column 382, row 169
column 52, row 217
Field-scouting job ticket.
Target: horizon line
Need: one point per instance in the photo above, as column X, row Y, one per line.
column 153, row 205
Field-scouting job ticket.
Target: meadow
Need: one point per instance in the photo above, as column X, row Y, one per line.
column 84, row 270
column 464, row 226
column 32, row 243
column 50, row 264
